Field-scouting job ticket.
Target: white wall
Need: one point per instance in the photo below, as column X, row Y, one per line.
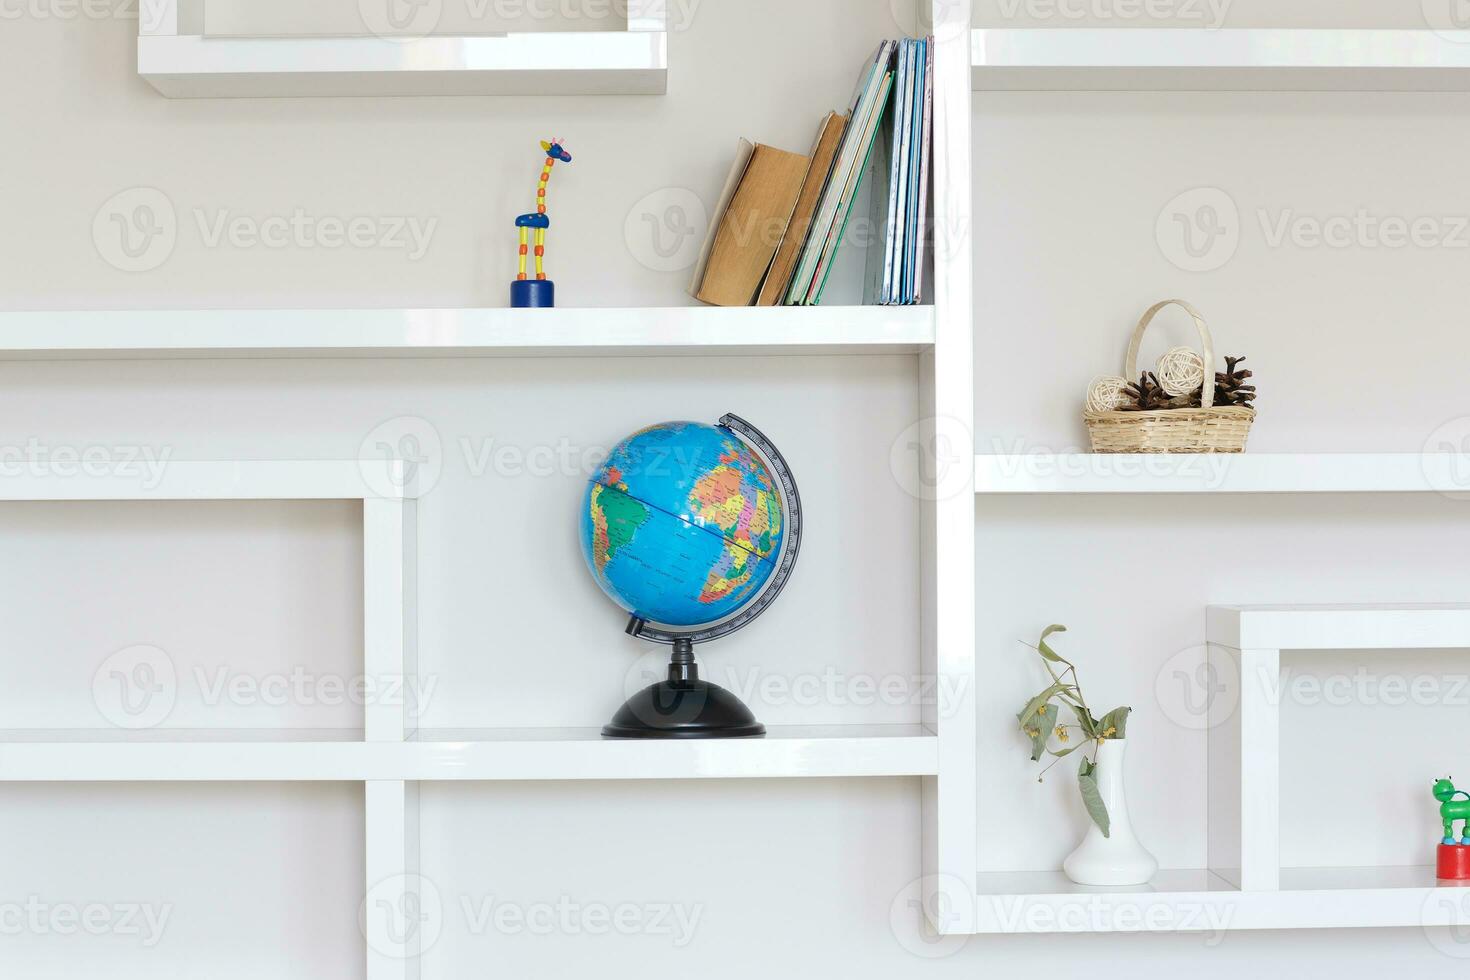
column 789, row 878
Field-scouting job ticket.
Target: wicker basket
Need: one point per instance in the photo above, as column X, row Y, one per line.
column 1176, row 430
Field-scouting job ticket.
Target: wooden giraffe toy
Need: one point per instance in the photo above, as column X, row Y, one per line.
column 539, row 292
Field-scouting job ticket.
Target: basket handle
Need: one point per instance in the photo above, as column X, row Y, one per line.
column 1130, row 369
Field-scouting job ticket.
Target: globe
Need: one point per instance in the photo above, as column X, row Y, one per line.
column 683, row 524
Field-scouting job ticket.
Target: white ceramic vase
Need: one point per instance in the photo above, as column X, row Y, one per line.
column 1118, row 860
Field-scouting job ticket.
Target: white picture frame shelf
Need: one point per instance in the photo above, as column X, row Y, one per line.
column 1245, row 886
column 1245, row 647
column 196, row 66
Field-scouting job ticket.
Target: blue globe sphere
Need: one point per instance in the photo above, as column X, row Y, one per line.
column 683, row 524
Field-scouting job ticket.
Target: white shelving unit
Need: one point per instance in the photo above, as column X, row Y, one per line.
column 195, row 66
column 392, row 757
column 1225, row 59
column 693, row 331
column 1086, row 473
column 389, row 754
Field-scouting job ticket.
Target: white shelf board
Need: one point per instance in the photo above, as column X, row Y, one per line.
column 1341, row 627
column 1227, row 59
column 118, row 736
column 698, row 330
column 168, row 479
column 553, row 63
column 1202, row 901
column 1091, row 473
column 482, row 755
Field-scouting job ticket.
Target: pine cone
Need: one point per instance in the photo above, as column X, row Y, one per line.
column 1230, row 386
column 1146, row 395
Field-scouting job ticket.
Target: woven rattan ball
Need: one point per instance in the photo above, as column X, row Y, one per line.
column 1181, row 372
column 1106, row 394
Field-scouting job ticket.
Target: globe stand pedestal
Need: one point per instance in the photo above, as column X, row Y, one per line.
column 684, row 706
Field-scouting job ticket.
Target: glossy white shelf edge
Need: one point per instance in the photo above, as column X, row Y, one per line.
column 1202, row 901
column 1225, row 59
column 560, row 63
column 1090, row 473
column 698, row 330
column 1341, row 627
column 488, row 756
column 168, row 479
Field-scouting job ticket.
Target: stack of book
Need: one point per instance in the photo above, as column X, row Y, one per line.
column 782, row 216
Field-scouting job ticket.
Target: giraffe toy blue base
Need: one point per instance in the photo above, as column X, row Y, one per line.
column 1454, row 807
column 538, row 293
column 532, row 294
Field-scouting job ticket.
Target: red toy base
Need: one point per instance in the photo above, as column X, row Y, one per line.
column 1454, row 862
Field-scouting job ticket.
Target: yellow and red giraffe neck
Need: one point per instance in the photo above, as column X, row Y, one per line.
column 554, row 153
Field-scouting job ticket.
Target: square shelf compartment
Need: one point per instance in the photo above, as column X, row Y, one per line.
column 225, row 880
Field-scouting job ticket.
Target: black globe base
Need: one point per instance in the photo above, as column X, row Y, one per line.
column 684, row 707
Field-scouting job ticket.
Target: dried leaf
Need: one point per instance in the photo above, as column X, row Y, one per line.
column 1046, row 651
column 1092, row 797
column 1085, row 721
column 1040, row 730
column 1114, row 724
column 1034, row 705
